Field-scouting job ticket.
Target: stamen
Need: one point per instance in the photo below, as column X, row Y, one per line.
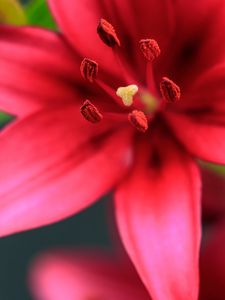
column 127, row 93
column 169, row 90
column 138, row 119
column 90, row 112
column 150, row 49
column 89, row 69
column 107, row 33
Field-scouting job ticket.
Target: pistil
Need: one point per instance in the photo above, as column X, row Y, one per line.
column 150, row 102
column 127, row 93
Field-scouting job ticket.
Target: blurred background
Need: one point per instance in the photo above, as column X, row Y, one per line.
column 88, row 228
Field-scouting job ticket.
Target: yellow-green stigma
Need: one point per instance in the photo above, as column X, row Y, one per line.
column 127, row 93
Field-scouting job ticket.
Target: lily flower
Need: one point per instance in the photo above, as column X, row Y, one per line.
column 125, row 98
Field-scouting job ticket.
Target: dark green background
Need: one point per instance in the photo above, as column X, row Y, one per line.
column 16, row 252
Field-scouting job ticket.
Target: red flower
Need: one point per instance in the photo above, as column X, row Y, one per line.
column 55, row 162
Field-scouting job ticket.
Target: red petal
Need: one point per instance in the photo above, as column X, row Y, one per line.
column 212, row 265
column 53, row 164
column 203, row 136
column 78, row 21
column 33, row 73
column 213, row 195
column 159, row 220
column 144, row 19
column 71, row 275
column 207, row 92
column 198, row 44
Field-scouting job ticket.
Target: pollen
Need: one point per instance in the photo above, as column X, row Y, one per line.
column 150, row 49
column 169, row 90
column 90, row 112
column 127, row 93
column 107, row 33
column 89, row 69
column 139, row 120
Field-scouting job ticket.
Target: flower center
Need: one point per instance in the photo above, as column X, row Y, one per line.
column 142, row 104
column 150, row 102
column 127, row 93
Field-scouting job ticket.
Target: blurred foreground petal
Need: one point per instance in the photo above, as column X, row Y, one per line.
column 71, row 275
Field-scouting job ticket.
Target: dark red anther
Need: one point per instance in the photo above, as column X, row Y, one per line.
column 90, row 112
column 169, row 90
column 150, row 49
column 89, row 69
column 139, row 120
column 107, row 33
